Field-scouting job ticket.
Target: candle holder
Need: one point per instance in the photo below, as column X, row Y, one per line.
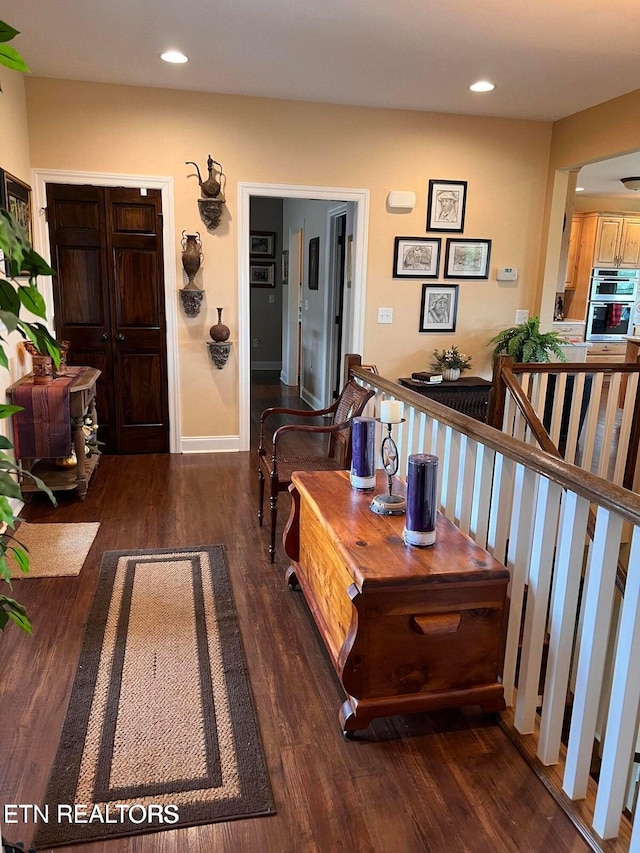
column 389, row 504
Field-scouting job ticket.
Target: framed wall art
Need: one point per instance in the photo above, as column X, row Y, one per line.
column 446, row 203
column 262, row 274
column 439, row 308
column 467, row 259
column 262, row 244
column 314, row 263
column 284, row 268
column 15, row 196
column 416, row 257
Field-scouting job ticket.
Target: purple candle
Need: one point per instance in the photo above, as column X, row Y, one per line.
column 422, row 507
column 363, row 457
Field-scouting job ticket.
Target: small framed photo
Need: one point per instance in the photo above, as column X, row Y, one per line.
column 262, row 244
column 314, row 262
column 262, row 274
column 467, row 259
column 416, row 257
column 446, row 203
column 284, row 267
column 439, row 308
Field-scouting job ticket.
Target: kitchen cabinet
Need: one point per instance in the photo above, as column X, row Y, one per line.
column 607, row 353
column 609, row 240
column 574, row 251
column 617, row 242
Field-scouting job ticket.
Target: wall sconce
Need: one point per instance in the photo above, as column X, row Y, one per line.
column 210, row 205
column 191, row 295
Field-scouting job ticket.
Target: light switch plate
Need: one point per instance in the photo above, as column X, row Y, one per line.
column 522, row 315
column 385, row 315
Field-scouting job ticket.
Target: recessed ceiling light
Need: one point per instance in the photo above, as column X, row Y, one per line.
column 482, row 86
column 579, row 189
column 173, row 56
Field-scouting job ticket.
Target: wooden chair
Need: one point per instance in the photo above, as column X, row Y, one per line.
column 277, row 466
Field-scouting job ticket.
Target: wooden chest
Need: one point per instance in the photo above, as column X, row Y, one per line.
column 407, row 629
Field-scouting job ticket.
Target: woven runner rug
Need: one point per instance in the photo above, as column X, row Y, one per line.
column 161, row 731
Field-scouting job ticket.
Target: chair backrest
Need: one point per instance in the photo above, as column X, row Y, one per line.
column 351, row 402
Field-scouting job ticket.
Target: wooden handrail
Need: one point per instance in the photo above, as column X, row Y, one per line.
column 584, row 483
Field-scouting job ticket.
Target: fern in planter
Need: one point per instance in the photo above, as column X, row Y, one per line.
column 21, row 260
column 526, row 343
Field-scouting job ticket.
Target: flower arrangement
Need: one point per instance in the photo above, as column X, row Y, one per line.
column 451, row 359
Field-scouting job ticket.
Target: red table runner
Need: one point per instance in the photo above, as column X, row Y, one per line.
column 43, row 428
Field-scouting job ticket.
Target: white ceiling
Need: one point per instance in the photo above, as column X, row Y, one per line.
column 548, row 58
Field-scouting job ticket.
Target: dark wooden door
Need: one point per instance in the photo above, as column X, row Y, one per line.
column 106, row 248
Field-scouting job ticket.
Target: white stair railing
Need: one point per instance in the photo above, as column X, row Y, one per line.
column 563, row 649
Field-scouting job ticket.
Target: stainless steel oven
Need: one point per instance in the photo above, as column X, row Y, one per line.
column 609, row 321
column 611, row 304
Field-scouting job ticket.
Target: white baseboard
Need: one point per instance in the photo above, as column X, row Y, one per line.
column 210, row 444
column 310, row 400
column 266, row 365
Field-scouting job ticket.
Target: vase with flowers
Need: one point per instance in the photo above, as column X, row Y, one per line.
column 451, row 362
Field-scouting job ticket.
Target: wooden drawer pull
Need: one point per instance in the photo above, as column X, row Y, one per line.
column 435, row 623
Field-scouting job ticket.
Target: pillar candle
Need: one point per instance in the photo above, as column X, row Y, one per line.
column 391, row 411
column 363, row 457
column 422, row 490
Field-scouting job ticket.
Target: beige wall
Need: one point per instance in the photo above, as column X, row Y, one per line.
column 14, row 158
column 607, row 204
column 606, row 130
column 127, row 130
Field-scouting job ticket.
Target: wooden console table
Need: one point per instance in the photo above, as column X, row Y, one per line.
column 468, row 394
column 407, row 629
column 82, row 401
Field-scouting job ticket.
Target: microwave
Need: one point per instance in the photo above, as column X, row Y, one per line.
column 610, row 285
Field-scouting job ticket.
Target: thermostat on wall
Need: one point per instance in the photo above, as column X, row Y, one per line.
column 507, row 274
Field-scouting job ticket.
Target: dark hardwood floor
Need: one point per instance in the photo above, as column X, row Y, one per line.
column 449, row 781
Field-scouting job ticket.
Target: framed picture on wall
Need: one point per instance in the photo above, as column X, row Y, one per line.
column 416, row 257
column 439, row 308
column 284, row 269
column 15, row 196
column 446, row 203
column 262, row 244
column 467, row 259
column 262, row 274
column 314, row 263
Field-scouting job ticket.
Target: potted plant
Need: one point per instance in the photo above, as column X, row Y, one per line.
column 451, row 362
column 14, row 296
column 525, row 342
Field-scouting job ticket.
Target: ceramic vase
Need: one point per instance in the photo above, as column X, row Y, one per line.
column 450, row 374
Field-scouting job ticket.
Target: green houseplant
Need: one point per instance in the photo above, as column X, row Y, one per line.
column 525, row 342
column 15, row 295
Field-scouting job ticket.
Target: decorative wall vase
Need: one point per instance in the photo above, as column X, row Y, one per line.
column 191, row 257
column 450, row 374
column 191, row 301
column 219, row 332
column 219, row 352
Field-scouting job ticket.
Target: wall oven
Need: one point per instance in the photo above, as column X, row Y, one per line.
column 611, row 304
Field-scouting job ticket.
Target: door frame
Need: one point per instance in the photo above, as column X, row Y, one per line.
column 40, row 179
column 333, row 305
column 360, row 198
